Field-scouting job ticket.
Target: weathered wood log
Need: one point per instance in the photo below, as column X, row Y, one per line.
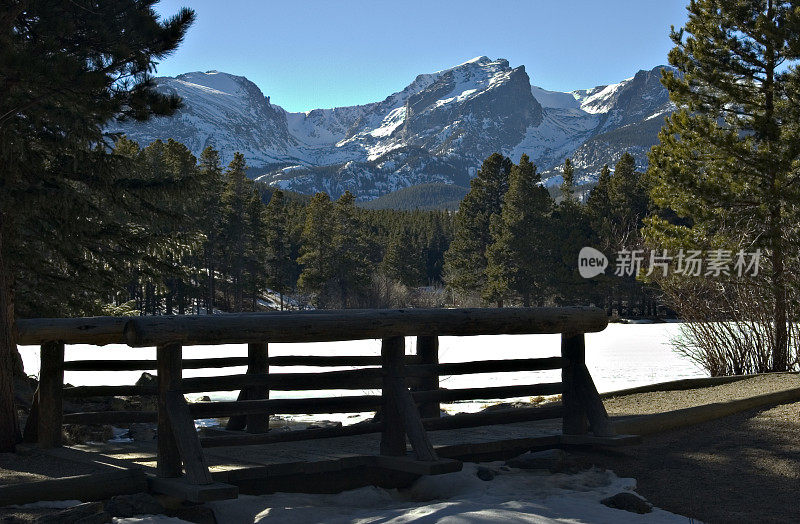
column 429, row 371
column 169, row 379
column 493, row 417
column 462, row 420
column 596, row 413
column 484, row 366
column 30, row 433
column 257, row 366
column 111, row 417
column 393, row 436
column 365, row 378
column 108, row 391
column 348, row 404
column 88, row 330
column 93, row 486
column 359, row 324
column 573, row 351
column 194, row 462
column 398, row 398
column 51, row 389
column 225, row 362
column 452, row 395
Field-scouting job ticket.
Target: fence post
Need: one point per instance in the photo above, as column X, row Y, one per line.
column 574, row 353
column 393, row 435
column 169, row 367
column 257, row 364
column 51, row 390
column 428, row 353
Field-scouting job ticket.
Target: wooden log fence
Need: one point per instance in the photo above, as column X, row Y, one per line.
column 408, row 395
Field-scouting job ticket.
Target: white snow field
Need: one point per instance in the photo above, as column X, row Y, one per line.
column 621, row 356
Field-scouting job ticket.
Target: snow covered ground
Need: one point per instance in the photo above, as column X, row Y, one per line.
column 621, row 356
column 514, row 495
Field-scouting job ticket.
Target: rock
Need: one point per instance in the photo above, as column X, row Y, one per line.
column 485, row 473
column 136, row 504
column 627, row 501
column 86, row 513
column 142, row 432
column 147, row 379
column 553, row 460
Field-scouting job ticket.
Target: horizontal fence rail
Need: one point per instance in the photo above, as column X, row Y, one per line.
column 403, row 390
column 310, row 326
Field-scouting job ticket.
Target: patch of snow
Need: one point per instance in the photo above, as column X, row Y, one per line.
column 512, row 496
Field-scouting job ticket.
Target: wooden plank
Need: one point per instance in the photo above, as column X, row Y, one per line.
column 194, row 462
column 393, row 437
column 573, row 351
column 592, row 440
column 51, row 388
column 322, row 326
column 243, row 439
column 451, row 395
column 89, row 487
column 224, row 362
column 183, row 490
column 599, row 423
column 111, row 417
column 108, row 391
column 428, row 353
column 489, row 418
column 169, row 377
column 365, row 378
column 346, row 404
column 417, row 467
column 485, row 366
column 462, row 420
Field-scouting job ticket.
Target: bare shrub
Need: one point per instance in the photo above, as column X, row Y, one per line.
column 729, row 327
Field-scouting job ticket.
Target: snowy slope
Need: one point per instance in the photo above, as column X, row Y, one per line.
column 437, row 129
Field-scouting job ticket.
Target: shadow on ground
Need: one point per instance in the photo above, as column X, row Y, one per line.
column 741, row 468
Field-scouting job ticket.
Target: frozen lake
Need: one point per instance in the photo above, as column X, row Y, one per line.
column 621, row 356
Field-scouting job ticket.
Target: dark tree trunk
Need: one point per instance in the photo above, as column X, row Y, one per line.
column 10, row 361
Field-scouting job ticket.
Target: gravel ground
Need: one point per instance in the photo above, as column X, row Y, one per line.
column 36, row 466
column 659, row 401
column 740, row 468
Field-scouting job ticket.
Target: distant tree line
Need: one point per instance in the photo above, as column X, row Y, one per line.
column 515, row 245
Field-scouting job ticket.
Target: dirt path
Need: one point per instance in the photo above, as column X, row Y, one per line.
column 741, row 468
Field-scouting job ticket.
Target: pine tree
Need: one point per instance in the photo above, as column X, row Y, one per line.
column 317, row 251
column 520, row 258
column 210, row 217
column 568, row 184
column 353, row 265
column 726, row 159
column 404, row 259
column 465, row 260
column 278, row 245
column 66, row 69
column 235, row 199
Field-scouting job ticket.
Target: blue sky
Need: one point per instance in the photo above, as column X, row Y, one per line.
column 308, row 54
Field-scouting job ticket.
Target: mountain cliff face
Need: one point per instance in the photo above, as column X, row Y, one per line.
column 436, row 130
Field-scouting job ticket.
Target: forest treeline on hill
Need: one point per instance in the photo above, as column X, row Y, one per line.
column 207, row 238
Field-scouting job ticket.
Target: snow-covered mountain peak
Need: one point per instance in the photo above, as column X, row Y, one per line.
column 438, row 128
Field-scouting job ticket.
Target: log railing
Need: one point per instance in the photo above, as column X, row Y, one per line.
column 408, row 405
